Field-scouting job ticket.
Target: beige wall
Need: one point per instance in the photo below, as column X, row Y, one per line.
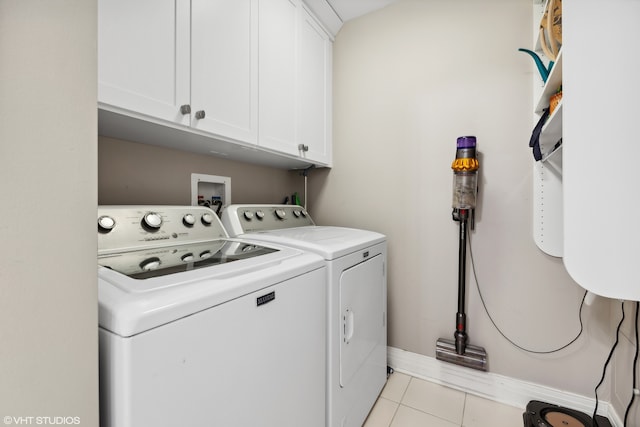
column 48, row 284
column 408, row 80
column 130, row 173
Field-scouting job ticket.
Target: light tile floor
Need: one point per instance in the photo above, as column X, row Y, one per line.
column 407, row 401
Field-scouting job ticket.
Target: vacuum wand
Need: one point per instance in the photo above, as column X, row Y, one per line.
column 461, row 318
column 465, row 187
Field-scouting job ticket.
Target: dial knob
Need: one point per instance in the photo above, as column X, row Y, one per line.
column 150, row 264
column 304, row 213
column 205, row 255
column 189, row 220
column 280, row 213
column 106, row 223
column 296, row 213
column 207, row 219
column 152, row 220
column 248, row 215
column 187, row 257
column 259, row 214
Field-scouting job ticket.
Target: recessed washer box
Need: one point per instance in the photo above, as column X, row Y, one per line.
column 211, row 188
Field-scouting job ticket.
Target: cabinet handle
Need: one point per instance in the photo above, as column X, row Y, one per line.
column 303, row 147
column 185, row 109
column 200, row 114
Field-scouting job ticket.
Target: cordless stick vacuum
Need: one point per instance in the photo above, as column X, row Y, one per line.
column 465, row 187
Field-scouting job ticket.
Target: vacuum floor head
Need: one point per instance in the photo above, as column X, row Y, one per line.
column 473, row 357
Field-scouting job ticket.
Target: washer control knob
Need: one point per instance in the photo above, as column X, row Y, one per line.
column 207, row 219
column 150, row 264
column 259, row 214
column 304, row 213
column 206, row 254
column 189, row 220
column 248, row 215
column 187, row 257
column 106, row 223
column 280, row 214
column 297, row 213
column 152, row 220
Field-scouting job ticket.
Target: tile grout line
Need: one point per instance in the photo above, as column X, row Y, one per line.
column 464, row 408
column 411, row 378
column 394, row 415
column 404, row 392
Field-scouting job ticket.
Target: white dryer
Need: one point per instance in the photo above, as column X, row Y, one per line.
column 357, row 299
column 200, row 330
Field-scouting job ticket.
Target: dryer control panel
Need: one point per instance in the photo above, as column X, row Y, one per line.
column 242, row 219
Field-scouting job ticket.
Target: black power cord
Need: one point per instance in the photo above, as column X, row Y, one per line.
column 473, row 266
column 604, row 368
column 635, row 369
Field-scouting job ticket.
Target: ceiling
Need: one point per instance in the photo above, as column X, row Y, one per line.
column 350, row 9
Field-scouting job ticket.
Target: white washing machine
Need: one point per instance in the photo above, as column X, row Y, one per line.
column 200, row 330
column 357, row 299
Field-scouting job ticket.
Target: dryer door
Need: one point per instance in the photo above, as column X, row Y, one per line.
column 362, row 311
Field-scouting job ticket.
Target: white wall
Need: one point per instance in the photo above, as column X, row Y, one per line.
column 48, row 283
column 408, row 80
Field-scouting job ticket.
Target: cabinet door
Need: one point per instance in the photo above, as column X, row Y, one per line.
column 278, row 74
column 315, row 65
column 143, row 56
column 224, row 68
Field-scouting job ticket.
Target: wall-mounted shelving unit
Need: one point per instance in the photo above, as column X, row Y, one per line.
column 584, row 189
column 547, row 173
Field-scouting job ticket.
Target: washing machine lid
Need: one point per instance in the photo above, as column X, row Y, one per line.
column 328, row 241
column 161, row 261
column 130, row 304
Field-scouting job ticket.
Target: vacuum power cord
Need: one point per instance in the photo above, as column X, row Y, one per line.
column 475, row 277
column 604, row 369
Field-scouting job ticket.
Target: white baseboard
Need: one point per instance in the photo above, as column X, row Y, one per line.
column 492, row 386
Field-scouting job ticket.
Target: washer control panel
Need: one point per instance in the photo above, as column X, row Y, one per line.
column 241, row 219
column 125, row 228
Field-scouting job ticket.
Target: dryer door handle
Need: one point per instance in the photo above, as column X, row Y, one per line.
column 348, row 323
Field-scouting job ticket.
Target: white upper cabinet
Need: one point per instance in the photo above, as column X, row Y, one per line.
column 143, row 56
column 315, row 86
column 215, row 76
column 295, row 81
column 224, row 68
column 278, row 77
